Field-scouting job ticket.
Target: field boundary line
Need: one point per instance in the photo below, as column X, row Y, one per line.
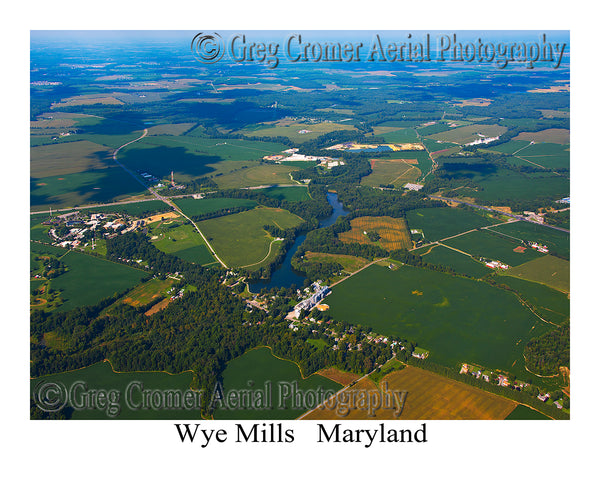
column 266, row 256
column 106, row 360
column 456, row 250
column 411, row 167
column 359, row 270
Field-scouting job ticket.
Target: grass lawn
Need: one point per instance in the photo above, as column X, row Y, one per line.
column 258, row 368
column 183, row 241
column 240, row 238
column 257, row 175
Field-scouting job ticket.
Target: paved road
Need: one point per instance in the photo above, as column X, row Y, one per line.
column 489, row 209
column 154, row 193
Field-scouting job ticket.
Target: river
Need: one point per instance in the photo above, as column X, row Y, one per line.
column 285, row 275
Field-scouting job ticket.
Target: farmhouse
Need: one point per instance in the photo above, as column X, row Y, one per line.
column 496, row 264
column 413, row 186
column 503, row 381
column 483, row 140
column 538, row 247
column 534, row 217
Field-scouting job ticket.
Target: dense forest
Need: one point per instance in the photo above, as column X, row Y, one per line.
column 546, row 353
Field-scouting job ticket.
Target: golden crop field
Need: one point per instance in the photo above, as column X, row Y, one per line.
column 393, row 231
column 429, row 397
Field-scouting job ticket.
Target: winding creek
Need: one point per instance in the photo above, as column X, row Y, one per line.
column 285, row 275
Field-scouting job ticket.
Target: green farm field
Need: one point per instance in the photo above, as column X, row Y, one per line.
column 41, row 249
column 39, row 232
column 259, row 367
column 510, row 147
column 113, row 140
column 523, row 412
column 548, row 270
column 183, row 241
column 193, row 207
column 468, row 133
column 438, row 146
column 194, row 157
column 100, row 376
column 396, row 172
column 65, row 158
column 257, row 175
column 420, row 159
column 439, row 223
column 147, row 291
column 461, row 264
column 548, row 155
column 136, row 209
column 285, row 128
column 349, row 262
column 549, row 303
column 170, row 129
column 291, row 194
column 456, row 319
column 404, row 135
column 240, row 238
column 494, row 247
column 93, row 186
column 78, row 288
column 551, row 135
column 556, row 240
column 506, row 184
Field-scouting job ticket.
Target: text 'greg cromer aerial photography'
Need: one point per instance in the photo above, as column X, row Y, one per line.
column 280, row 225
